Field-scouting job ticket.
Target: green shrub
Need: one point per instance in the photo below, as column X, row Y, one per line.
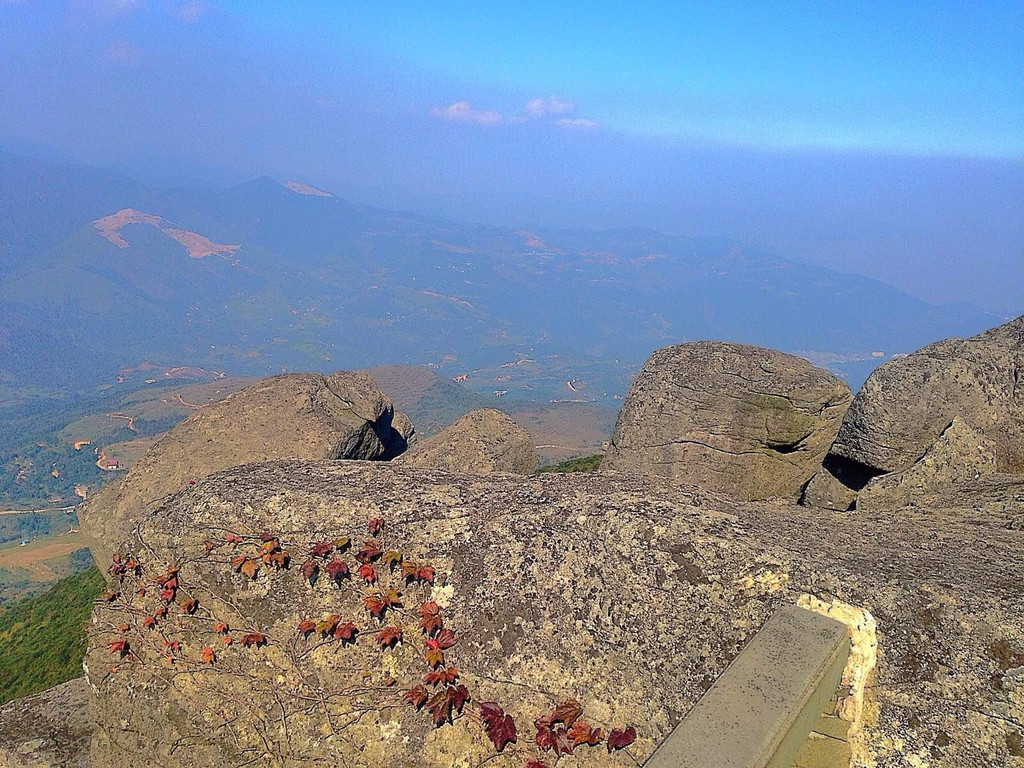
column 582, row 464
column 42, row 638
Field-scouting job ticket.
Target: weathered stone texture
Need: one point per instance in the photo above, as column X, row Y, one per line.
column 630, row 594
column 906, row 404
column 48, row 730
column 481, row 442
column 300, row 415
column 747, row 421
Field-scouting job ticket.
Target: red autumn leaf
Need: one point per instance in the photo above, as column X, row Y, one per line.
column 371, row 551
column 501, row 731
column 552, row 737
column 536, row 764
column 133, row 566
column 430, row 624
column 567, row 712
column 173, row 645
column 417, row 572
column 489, row 711
column 376, row 526
column 123, row 627
column 445, row 703
column 141, row 591
column 267, row 537
column 232, row 538
column 119, row 647
column 250, row 567
column 444, row 640
column 310, row 570
column 254, row 638
column 336, row 569
column 321, row 549
column 227, row 640
column 209, row 546
column 389, row 637
column 278, row 559
column 417, row 696
column 429, row 609
column 584, row 733
column 437, row 676
column 160, row 612
column 221, row 627
column 189, row 606
column 326, row 626
column 170, row 574
column 306, row 626
column 367, row 573
column 167, row 594
column 346, row 632
column 149, row 622
column 434, row 657
column 208, row 655
column 237, row 561
column 621, row 739
column 375, row 605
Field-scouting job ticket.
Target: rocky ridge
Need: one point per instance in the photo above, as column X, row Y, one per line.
column 295, row 415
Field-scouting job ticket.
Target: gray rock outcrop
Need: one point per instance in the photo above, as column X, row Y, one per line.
column 906, row 404
column 629, row 594
column 295, row 415
column 743, row 420
column 960, row 455
column 481, row 442
column 48, row 730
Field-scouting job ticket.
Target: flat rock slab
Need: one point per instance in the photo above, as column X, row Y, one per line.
column 761, row 710
column 630, row 595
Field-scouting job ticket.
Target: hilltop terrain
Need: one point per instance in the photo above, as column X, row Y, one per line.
column 312, row 608
column 265, row 277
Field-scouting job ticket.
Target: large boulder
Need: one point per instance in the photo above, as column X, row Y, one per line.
column 296, row 415
column 48, row 730
column 906, row 404
column 960, row 455
column 480, row 442
column 628, row 594
column 742, row 420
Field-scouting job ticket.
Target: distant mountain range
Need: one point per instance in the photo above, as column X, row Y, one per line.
column 99, row 274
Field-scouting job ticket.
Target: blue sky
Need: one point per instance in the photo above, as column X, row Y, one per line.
column 908, row 77
column 884, row 139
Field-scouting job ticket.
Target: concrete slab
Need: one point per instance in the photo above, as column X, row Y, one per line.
column 759, row 713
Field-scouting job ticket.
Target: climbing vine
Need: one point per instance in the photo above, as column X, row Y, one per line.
column 388, row 605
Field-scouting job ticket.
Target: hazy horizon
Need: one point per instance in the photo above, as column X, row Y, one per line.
column 887, row 144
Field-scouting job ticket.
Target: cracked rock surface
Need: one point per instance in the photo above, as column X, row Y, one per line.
column 743, row 420
column 630, row 594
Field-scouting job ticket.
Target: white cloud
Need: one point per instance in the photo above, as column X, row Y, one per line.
column 463, row 112
column 549, row 106
column 577, row 122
